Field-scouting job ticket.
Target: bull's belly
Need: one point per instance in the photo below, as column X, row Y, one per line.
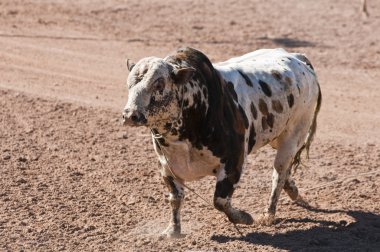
column 189, row 163
column 263, row 137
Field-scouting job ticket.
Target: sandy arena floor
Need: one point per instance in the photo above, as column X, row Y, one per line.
column 72, row 178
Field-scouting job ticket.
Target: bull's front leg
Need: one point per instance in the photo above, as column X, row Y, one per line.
column 227, row 180
column 176, row 197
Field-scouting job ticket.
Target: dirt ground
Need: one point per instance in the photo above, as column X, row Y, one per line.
column 72, row 178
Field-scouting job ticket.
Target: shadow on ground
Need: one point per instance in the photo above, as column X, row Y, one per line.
column 362, row 235
column 289, row 42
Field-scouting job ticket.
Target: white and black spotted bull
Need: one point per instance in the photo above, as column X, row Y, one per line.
column 210, row 117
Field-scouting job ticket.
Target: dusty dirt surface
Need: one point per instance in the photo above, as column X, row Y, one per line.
column 72, row 178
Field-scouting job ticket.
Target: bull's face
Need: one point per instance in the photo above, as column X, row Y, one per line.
column 153, row 92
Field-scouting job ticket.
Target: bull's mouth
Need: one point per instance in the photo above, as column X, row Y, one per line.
column 134, row 119
column 134, row 124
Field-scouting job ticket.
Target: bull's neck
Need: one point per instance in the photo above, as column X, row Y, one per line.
column 216, row 124
column 204, row 116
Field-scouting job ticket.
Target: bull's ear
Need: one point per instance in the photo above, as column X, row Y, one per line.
column 183, row 75
column 130, row 65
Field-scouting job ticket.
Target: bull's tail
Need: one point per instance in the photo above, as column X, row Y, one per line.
column 311, row 133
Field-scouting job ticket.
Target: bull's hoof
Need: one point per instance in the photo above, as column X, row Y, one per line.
column 173, row 231
column 301, row 202
column 266, row 219
column 240, row 217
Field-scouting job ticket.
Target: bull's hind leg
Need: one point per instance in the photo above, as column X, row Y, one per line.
column 227, row 179
column 290, row 188
column 281, row 169
column 175, row 199
column 288, row 144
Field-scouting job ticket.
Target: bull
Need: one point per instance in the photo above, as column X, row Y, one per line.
column 206, row 118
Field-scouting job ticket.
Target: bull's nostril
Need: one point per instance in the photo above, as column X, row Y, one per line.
column 134, row 118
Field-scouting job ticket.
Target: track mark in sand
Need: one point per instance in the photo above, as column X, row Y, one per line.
column 149, row 228
column 49, row 49
column 156, row 227
column 26, row 65
column 42, row 36
column 47, row 72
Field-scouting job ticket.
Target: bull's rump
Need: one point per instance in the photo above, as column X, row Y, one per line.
column 280, row 86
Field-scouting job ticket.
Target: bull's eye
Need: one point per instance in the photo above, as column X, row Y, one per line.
column 159, row 85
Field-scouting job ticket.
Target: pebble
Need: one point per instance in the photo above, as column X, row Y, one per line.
column 89, row 228
column 21, row 181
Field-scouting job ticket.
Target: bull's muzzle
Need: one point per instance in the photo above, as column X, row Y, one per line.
column 133, row 118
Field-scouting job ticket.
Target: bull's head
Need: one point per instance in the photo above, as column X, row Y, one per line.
column 153, row 92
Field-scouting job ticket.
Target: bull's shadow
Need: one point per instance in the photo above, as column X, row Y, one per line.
column 292, row 43
column 363, row 235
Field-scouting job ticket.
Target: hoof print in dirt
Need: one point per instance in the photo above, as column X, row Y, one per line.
column 301, row 202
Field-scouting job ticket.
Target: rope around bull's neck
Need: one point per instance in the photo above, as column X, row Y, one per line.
column 157, row 136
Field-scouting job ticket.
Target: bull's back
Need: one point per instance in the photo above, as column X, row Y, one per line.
column 274, row 88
